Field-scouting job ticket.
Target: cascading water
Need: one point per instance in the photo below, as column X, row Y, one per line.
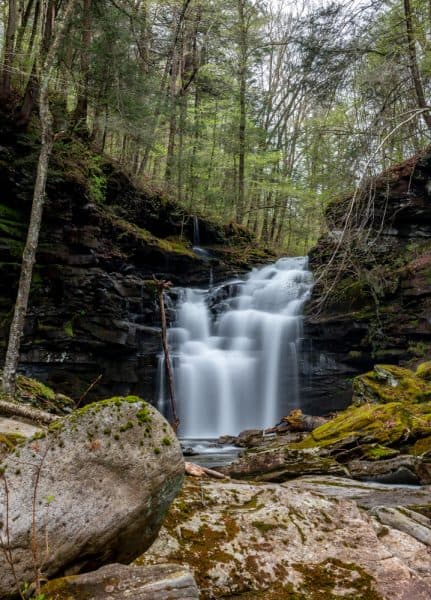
column 235, row 351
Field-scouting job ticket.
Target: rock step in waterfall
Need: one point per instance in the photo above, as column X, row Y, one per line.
column 235, row 350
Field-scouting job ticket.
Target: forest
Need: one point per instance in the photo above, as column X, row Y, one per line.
column 215, row 300
column 257, row 112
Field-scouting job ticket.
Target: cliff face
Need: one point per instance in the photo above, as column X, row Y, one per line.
column 92, row 308
column 378, row 309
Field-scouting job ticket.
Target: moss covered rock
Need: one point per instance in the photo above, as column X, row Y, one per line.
column 102, row 479
column 389, row 383
column 392, row 409
column 281, row 542
column 37, row 394
column 157, row 582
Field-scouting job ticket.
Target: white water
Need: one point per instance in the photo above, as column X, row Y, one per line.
column 238, row 370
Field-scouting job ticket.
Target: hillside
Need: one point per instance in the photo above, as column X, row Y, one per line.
column 92, row 308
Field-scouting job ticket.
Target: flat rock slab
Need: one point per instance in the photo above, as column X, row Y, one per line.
column 117, row 582
column 270, row 541
column 15, row 427
column 366, row 495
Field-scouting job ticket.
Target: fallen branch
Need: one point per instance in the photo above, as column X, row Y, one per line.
column 197, row 471
column 26, row 412
column 88, row 390
column 162, row 285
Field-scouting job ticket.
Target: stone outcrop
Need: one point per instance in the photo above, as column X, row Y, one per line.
column 269, row 541
column 367, row 495
column 380, row 298
column 92, row 306
column 385, row 435
column 117, row 582
column 99, row 483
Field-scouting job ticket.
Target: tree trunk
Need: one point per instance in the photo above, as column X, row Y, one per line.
column 242, row 111
column 161, row 287
column 79, row 119
column 12, row 23
column 413, row 63
column 29, row 254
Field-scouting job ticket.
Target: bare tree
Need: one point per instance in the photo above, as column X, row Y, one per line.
column 29, row 254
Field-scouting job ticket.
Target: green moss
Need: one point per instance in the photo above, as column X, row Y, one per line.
column 378, row 452
column 9, row 441
column 68, row 329
column 126, row 426
column 424, row 371
column 157, row 450
column 33, row 388
column 166, row 441
column 143, row 415
column 171, row 245
column 322, row 581
column 421, row 447
column 264, row 527
column 389, row 383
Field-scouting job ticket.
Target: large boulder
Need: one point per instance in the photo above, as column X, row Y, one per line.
column 271, row 541
column 94, row 489
column 117, row 582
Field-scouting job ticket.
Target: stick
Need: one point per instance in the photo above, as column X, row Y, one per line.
column 197, row 471
column 88, row 390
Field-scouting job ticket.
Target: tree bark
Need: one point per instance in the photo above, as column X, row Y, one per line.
column 12, row 409
column 29, row 254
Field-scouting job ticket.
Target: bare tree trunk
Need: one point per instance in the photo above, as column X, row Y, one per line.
column 242, row 110
column 29, row 254
column 413, row 62
column 11, row 29
column 161, row 287
column 79, row 118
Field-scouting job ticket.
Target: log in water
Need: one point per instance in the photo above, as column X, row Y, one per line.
column 235, row 350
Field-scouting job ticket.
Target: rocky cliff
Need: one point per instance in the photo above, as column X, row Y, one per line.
column 377, row 291
column 92, row 309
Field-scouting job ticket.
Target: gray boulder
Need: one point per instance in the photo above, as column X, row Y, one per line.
column 117, row 582
column 99, row 484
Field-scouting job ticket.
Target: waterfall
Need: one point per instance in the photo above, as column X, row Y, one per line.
column 196, row 233
column 235, row 351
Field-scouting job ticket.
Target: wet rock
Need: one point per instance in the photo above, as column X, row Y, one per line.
column 117, row 582
column 104, row 478
column 280, row 463
column 280, row 541
column 402, row 469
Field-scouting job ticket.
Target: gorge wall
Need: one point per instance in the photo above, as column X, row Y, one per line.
column 378, row 309
column 92, row 307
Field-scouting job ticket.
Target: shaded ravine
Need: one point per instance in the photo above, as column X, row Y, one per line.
column 235, row 350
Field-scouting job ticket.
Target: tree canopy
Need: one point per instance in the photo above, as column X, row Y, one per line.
column 253, row 111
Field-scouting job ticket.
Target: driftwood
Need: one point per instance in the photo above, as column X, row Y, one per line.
column 26, row 412
column 197, row 471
